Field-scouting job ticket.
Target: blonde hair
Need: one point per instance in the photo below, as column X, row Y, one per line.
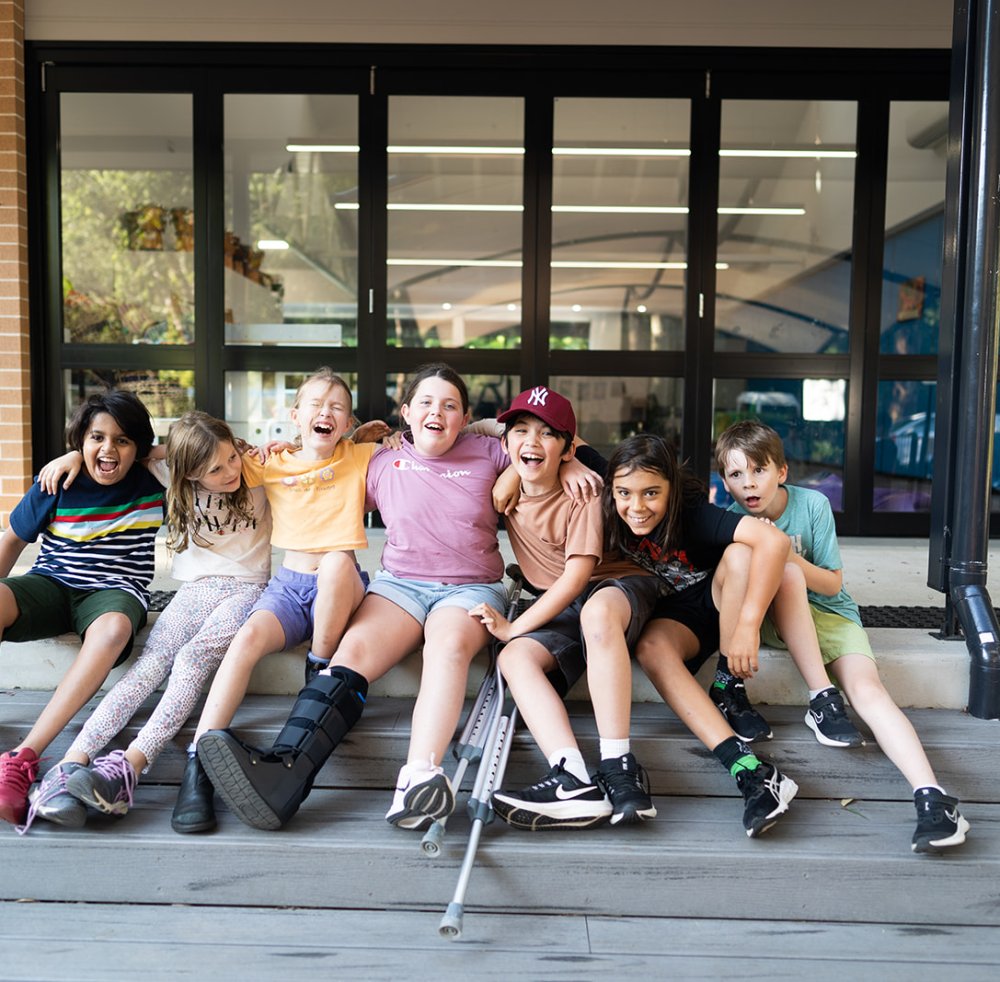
column 191, row 444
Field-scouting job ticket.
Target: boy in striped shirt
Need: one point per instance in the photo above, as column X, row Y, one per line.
column 92, row 573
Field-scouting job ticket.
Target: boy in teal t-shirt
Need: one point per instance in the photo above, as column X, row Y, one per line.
column 815, row 618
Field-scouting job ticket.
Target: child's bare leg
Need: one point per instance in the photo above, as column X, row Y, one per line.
column 451, row 640
column 729, row 589
column 604, row 620
column 339, row 591
column 381, row 634
column 524, row 663
column 8, row 608
column 858, row 676
column 102, row 644
column 663, row 648
column 662, row 651
column 791, row 615
column 261, row 635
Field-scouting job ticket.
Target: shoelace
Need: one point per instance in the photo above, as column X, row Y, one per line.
column 44, row 796
column 115, row 767
column 621, row 782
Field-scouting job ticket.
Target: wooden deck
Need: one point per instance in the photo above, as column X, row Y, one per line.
column 832, row 892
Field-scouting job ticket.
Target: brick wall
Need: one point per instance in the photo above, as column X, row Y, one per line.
column 15, row 381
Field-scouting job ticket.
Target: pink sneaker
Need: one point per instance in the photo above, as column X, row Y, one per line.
column 18, row 768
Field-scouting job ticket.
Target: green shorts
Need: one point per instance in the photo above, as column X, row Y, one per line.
column 837, row 636
column 47, row 607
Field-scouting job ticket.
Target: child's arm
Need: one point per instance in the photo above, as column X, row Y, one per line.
column 768, row 552
column 507, row 491
column 11, row 547
column 578, row 480
column 824, row 581
column 67, row 465
column 575, row 576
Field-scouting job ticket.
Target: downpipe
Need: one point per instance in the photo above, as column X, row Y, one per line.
column 975, row 613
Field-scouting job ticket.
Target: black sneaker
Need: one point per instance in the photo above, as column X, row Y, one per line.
column 624, row 781
column 559, row 800
column 939, row 822
column 827, row 718
column 766, row 792
column 732, row 701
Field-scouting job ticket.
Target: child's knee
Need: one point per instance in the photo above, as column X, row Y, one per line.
column 337, row 565
column 792, row 578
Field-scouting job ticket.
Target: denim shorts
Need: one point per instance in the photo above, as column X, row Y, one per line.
column 291, row 597
column 419, row 598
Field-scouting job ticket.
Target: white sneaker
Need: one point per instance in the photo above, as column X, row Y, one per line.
column 423, row 795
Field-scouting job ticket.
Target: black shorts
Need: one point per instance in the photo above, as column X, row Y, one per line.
column 562, row 638
column 695, row 609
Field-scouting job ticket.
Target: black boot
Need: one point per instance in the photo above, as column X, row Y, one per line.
column 264, row 788
column 194, row 811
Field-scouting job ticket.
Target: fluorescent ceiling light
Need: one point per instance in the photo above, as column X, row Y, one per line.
column 573, row 264
column 274, row 245
column 620, row 152
column 808, row 154
column 504, row 263
column 762, row 211
column 620, row 210
column 346, row 205
column 507, row 151
column 813, row 153
column 322, row 148
column 442, row 207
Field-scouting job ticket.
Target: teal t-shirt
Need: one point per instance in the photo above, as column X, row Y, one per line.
column 808, row 521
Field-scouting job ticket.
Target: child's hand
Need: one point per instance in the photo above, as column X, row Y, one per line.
column 68, row 464
column 393, row 439
column 579, row 481
column 507, row 491
column 272, row 446
column 742, row 651
column 493, row 621
column 371, row 432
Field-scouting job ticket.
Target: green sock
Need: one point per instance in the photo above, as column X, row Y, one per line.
column 736, row 756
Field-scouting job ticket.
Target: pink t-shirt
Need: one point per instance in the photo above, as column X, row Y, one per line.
column 438, row 511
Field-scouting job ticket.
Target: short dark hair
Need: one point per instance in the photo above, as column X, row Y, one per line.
column 125, row 408
column 757, row 442
column 567, row 438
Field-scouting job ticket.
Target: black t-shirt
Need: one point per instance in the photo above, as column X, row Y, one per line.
column 705, row 532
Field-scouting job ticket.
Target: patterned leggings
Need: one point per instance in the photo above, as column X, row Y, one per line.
column 187, row 641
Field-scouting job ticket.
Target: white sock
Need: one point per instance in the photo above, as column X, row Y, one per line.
column 572, row 761
column 613, row 749
column 925, row 787
column 815, row 692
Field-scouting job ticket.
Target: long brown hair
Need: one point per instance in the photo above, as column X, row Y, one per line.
column 648, row 452
column 191, row 444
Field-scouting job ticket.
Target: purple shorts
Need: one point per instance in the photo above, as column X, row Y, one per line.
column 291, row 597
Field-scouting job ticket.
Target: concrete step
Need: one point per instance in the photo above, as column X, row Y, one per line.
column 919, row 671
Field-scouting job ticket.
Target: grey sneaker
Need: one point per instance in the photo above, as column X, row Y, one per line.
column 51, row 800
column 106, row 785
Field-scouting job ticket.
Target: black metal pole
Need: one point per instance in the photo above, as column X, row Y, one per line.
column 970, row 392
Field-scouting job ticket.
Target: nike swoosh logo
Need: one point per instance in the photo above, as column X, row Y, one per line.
column 565, row 795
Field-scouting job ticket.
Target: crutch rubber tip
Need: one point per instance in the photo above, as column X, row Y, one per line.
column 431, row 842
column 451, row 924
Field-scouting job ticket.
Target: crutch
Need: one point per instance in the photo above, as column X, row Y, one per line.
column 488, row 777
column 489, row 699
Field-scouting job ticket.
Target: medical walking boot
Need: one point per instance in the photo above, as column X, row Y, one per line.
column 264, row 788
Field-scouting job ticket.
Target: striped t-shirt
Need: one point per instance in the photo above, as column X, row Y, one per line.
column 95, row 537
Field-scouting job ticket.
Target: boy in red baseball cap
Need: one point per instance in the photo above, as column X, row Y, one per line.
column 558, row 542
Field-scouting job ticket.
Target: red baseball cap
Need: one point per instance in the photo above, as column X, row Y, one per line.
column 548, row 406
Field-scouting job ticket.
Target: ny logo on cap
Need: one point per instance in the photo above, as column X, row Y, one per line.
column 538, row 396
